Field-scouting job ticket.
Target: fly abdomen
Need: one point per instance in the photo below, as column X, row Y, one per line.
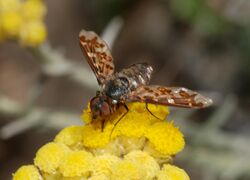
column 136, row 75
column 128, row 80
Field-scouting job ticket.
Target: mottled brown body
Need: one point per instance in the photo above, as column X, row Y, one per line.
column 130, row 84
column 123, row 83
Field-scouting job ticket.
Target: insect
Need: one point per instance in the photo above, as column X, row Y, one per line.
column 130, row 84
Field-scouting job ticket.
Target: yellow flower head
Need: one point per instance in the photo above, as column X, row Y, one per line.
column 71, row 136
column 11, row 23
column 9, row 5
column 33, row 10
column 166, row 138
column 95, row 137
column 50, row 156
column 103, row 164
column 76, row 164
column 126, row 170
column 145, row 161
column 99, row 177
column 29, row 172
column 33, row 33
column 23, row 20
column 171, row 172
column 138, row 146
column 138, row 122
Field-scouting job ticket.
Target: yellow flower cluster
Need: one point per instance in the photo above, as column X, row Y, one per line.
column 23, row 20
column 138, row 146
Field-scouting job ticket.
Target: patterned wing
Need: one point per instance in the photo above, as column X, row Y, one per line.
column 172, row 96
column 98, row 55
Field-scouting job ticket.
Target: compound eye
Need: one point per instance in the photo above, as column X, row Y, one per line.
column 94, row 101
column 105, row 109
column 95, row 106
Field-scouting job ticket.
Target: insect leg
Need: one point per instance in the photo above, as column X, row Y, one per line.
column 151, row 112
column 102, row 124
column 126, row 107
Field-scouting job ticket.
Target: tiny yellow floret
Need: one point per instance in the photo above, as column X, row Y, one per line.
column 76, row 164
column 86, row 115
column 171, row 172
column 49, row 157
column 33, row 10
column 22, row 20
column 166, row 138
column 28, row 172
column 103, row 164
column 9, row 5
column 99, row 177
column 11, row 23
column 71, row 136
column 134, row 123
column 33, row 33
column 95, row 137
column 145, row 161
column 127, row 170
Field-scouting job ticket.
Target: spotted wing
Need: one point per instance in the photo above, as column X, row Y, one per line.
column 172, row 96
column 97, row 54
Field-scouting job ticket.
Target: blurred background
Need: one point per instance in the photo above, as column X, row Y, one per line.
column 203, row 45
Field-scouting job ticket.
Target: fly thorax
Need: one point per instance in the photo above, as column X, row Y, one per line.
column 117, row 88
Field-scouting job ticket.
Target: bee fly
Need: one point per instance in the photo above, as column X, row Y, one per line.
column 130, row 84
